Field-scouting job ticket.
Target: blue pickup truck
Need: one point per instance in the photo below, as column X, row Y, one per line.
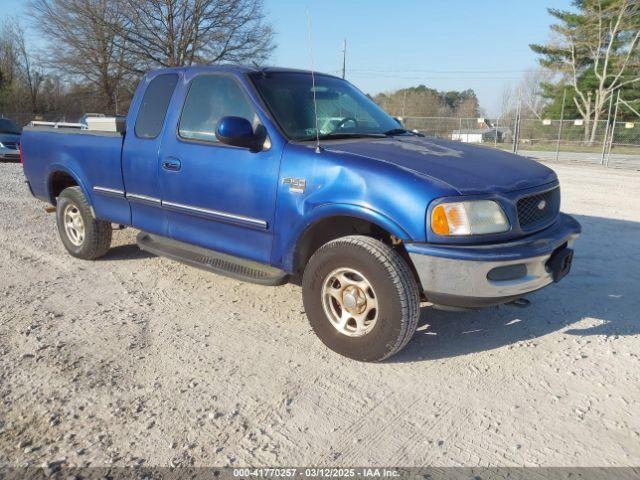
column 275, row 175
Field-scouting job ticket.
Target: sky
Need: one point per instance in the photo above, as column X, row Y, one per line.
column 443, row 44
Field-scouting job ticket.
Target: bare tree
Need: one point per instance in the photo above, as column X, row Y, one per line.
column 8, row 54
column 172, row 33
column 468, row 108
column 531, row 91
column 506, row 101
column 32, row 72
column 600, row 42
column 82, row 44
column 21, row 72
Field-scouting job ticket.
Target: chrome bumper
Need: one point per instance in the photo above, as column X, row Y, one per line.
column 9, row 154
column 460, row 276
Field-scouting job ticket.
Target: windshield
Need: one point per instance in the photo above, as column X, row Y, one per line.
column 342, row 109
column 7, row 126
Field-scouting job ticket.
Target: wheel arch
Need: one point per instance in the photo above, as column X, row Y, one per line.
column 329, row 223
column 59, row 178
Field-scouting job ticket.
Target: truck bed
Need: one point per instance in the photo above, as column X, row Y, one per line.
column 91, row 157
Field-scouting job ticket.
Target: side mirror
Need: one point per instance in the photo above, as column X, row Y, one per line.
column 238, row 132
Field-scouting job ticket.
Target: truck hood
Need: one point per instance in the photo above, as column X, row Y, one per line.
column 467, row 168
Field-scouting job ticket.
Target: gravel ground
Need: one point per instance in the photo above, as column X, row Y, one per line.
column 616, row 160
column 135, row 359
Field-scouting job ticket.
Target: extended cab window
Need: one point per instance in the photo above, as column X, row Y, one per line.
column 210, row 98
column 154, row 105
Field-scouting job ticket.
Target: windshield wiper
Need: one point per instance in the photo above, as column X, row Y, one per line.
column 338, row 135
column 401, row 131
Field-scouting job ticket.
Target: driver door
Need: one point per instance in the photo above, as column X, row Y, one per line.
column 217, row 196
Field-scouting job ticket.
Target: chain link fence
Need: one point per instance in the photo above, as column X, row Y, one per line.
column 608, row 143
column 615, row 144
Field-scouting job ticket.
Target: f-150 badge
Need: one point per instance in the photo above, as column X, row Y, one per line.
column 296, row 185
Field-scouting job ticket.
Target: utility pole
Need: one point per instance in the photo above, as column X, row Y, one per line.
column 613, row 128
column 344, row 58
column 516, row 130
column 564, row 97
column 404, row 103
column 606, row 130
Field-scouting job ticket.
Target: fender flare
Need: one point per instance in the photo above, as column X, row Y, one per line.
column 329, row 210
column 57, row 167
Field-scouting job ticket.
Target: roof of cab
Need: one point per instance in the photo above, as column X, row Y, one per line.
column 231, row 68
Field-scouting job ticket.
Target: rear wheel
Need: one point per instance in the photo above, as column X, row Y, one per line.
column 81, row 233
column 361, row 298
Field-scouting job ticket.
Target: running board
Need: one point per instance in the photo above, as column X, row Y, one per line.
column 216, row 262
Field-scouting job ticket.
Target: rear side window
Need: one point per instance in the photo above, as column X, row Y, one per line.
column 210, row 98
column 154, row 105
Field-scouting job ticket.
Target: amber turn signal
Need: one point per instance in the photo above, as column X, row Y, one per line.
column 439, row 222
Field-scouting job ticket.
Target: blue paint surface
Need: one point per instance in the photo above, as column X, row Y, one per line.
column 236, row 201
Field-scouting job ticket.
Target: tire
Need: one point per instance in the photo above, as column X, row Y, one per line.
column 350, row 265
column 92, row 237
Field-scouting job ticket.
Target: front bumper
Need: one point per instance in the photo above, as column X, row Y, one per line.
column 484, row 275
column 8, row 154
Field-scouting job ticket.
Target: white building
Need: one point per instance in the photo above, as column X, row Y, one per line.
column 479, row 135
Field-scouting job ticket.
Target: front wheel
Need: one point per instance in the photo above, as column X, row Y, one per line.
column 361, row 298
column 81, row 233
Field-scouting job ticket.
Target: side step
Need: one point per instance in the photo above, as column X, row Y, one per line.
column 220, row 263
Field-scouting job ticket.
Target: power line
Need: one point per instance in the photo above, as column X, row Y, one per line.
column 418, row 70
column 421, row 77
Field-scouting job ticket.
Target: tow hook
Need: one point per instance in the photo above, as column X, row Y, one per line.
column 520, row 303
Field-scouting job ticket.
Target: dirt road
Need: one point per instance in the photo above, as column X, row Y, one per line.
column 628, row 161
column 135, row 359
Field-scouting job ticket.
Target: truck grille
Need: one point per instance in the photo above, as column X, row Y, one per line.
column 538, row 209
column 11, row 145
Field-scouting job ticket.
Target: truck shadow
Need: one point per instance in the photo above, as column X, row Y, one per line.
column 601, row 296
column 126, row 252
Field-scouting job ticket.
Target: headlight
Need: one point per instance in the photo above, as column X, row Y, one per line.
column 468, row 218
column 1, row 145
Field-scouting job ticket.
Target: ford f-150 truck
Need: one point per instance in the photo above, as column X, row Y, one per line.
column 274, row 175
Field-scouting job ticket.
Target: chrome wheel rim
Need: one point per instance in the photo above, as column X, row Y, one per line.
column 73, row 224
column 349, row 301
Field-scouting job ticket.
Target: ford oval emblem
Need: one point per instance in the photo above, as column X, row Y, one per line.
column 542, row 204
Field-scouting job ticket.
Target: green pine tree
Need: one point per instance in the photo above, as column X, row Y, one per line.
column 596, row 54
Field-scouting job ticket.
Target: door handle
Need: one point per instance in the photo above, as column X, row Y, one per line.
column 171, row 164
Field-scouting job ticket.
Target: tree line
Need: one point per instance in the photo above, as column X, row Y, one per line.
column 91, row 54
column 593, row 55
column 422, row 101
column 96, row 50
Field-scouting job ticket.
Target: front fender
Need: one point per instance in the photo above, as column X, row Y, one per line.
column 341, row 184
column 288, row 241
